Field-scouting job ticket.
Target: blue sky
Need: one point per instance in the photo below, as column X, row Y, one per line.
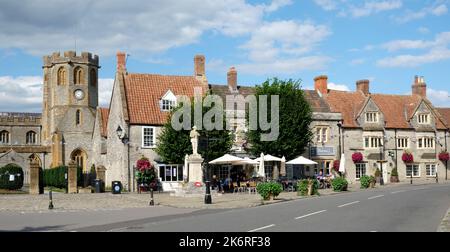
column 386, row 41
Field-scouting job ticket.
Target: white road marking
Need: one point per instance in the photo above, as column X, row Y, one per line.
column 304, row 216
column 373, row 231
column 378, row 196
column 348, row 204
column 261, row 228
column 398, row 191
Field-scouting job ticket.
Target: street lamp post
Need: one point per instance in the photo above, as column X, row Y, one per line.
column 125, row 140
column 50, row 195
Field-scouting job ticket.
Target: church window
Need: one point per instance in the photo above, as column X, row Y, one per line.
column 31, row 137
column 78, row 75
column 62, row 76
column 78, row 117
column 4, row 137
column 93, row 78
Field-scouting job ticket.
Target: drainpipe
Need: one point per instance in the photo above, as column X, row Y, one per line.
column 396, row 150
column 446, row 162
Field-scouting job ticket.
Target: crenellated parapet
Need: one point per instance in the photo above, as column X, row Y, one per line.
column 70, row 57
column 26, row 119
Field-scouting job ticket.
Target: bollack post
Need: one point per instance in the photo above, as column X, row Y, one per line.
column 152, row 202
column 50, row 195
column 208, row 199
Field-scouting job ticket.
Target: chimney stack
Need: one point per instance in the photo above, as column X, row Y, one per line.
column 121, row 61
column 199, row 68
column 232, row 79
column 363, row 86
column 419, row 87
column 321, row 84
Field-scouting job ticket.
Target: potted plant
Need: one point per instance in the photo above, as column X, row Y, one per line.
column 145, row 174
column 357, row 157
column 372, row 182
column 408, row 157
column 444, row 156
column 394, row 176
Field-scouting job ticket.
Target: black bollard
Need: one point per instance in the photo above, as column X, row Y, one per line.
column 437, row 179
column 152, row 203
column 50, row 205
column 208, row 199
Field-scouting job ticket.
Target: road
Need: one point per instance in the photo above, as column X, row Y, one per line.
column 400, row 208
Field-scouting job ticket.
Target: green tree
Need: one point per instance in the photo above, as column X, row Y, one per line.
column 295, row 117
column 173, row 145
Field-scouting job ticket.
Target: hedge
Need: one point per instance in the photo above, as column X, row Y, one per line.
column 55, row 177
column 5, row 174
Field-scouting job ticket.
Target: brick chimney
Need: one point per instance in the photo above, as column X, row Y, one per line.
column 321, row 84
column 199, row 68
column 232, row 79
column 419, row 87
column 363, row 86
column 121, row 61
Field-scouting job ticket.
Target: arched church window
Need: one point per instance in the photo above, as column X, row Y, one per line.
column 78, row 117
column 62, row 76
column 93, row 78
column 78, row 75
column 31, row 137
column 4, row 137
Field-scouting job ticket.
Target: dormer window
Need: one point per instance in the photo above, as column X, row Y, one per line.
column 371, row 117
column 168, row 101
column 423, row 118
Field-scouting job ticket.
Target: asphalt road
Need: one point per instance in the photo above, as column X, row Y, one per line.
column 403, row 208
column 400, row 208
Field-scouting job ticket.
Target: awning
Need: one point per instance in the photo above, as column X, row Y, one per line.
column 227, row 159
column 301, row 161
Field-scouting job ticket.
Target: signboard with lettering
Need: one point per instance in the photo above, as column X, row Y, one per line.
column 323, row 151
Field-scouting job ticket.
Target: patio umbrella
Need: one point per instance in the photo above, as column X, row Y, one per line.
column 269, row 158
column 227, row 159
column 342, row 164
column 248, row 161
column 301, row 161
column 276, row 172
column 261, row 171
column 283, row 167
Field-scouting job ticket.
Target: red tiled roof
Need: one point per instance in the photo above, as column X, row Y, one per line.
column 397, row 109
column 349, row 104
column 144, row 91
column 104, row 113
column 445, row 113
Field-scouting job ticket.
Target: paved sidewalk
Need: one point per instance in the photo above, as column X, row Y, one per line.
column 108, row 201
column 445, row 224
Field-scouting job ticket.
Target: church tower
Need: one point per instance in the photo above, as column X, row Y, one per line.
column 70, row 99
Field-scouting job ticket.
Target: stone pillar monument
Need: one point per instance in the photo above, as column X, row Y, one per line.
column 195, row 160
column 34, row 177
column 72, row 177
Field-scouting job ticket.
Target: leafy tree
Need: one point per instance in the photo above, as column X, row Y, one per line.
column 173, row 145
column 295, row 117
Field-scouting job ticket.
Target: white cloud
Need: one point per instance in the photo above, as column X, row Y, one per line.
column 288, row 66
column 408, row 60
column 437, row 9
column 345, row 8
column 24, row 93
column 439, row 98
column 357, row 62
column 437, row 51
column 21, row 94
column 339, row 87
column 373, row 7
column 327, row 5
column 423, row 30
column 139, row 27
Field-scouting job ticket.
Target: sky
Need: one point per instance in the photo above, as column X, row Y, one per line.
column 385, row 41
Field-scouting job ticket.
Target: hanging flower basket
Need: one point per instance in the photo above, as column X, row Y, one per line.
column 444, row 156
column 145, row 173
column 336, row 165
column 357, row 157
column 408, row 157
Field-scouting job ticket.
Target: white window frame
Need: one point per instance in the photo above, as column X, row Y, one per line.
column 412, row 170
column 167, row 105
column 401, row 143
column 426, row 143
column 173, row 170
column 423, row 118
column 372, row 117
column 153, row 137
column 428, row 169
column 372, row 142
column 320, row 134
column 360, row 166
